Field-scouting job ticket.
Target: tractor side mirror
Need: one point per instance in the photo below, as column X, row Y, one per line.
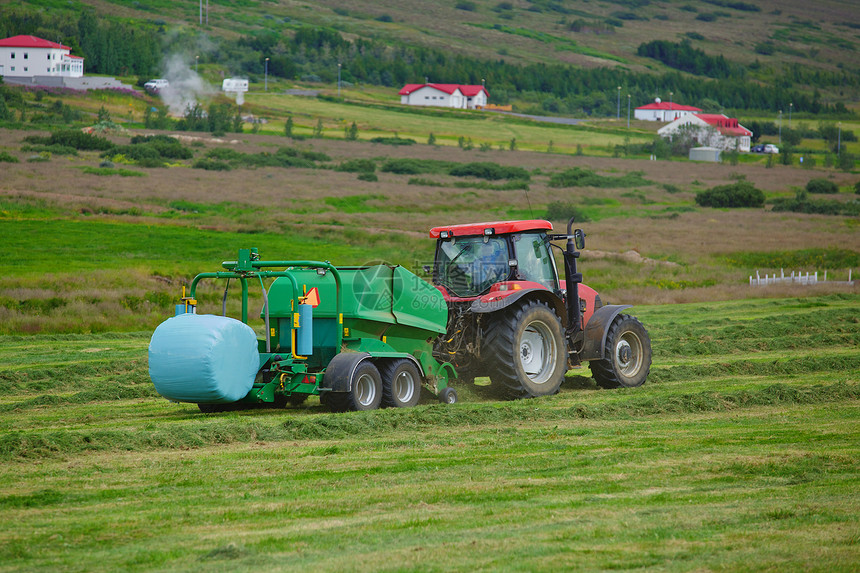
column 579, row 239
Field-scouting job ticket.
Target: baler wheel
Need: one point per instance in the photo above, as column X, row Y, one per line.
column 401, row 383
column 448, row 396
column 627, row 358
column 365, row 391
column 526, row 351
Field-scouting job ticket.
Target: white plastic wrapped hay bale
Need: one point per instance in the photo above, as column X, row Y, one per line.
column 203, row 359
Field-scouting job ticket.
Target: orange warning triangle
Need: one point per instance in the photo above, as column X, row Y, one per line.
column 312, row 298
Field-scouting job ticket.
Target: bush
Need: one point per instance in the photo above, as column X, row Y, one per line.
column 357, row 166
column 740, row 194
column 822, row 186
column 165, row 146
column 579, row 177
column 72, row 138
column 212, row 165
column 7, row 158
column 560, row 211
column 489, row 171
column 416, row 166
column 857, row 188
column 801, row 204
column 393, row 140
column 367, row 176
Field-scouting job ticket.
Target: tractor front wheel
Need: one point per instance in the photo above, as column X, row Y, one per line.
column 526, row 352
column 627, row 355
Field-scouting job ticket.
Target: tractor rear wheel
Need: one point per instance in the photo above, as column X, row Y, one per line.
column 365, row 391
column 401, row 383
column 526, row 353
column 627, row 358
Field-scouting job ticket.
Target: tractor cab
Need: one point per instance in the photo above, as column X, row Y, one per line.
column 472, row 260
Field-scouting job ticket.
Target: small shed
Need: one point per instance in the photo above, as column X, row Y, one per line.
column 705, row 154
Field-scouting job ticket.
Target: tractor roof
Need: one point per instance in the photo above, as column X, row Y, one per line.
column 498, row 228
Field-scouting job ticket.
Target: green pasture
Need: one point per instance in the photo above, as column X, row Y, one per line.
column 740, row 453
column 374, row 120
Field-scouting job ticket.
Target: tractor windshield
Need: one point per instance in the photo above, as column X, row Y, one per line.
column 534, row 260
column 470, row 266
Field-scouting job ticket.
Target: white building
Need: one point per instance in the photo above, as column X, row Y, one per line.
column 662, row 111
column 29, row 56
column 711, row 130
column 444, row 95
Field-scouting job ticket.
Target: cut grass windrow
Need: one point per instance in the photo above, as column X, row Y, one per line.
column 212, row 430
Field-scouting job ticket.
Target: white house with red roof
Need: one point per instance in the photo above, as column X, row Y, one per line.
column 444, row 95
column 712, row 130
column 662, row 111
column 29, row 56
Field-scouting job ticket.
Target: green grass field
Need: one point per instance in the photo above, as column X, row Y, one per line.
column 740, row 453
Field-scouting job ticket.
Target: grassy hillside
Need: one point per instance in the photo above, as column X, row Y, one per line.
column 740, row 453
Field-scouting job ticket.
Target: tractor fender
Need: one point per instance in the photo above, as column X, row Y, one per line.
column 594, row 343
column 503, row 300
column 338, row 373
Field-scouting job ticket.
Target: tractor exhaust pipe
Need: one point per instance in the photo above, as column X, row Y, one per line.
column 572, row 279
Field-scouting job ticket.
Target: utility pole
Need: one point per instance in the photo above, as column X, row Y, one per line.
column 628, row 111
column 618, row 114
column 338, row 79
column 266, row 84
column 196, row 64
column 780, row 127
column 790, row 105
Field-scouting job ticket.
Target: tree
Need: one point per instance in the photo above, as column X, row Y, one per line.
column 352, row 132
column 318, row 129
column 288, row 127
column 513, row 144
column 431, row 140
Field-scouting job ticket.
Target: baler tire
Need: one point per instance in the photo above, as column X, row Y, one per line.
column 627, row 360
column 448, row 396
column 515, row 338
column 401, row 383
column 210, row 408
column 365, row 391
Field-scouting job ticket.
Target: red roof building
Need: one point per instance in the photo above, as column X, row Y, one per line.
column 712, row 130
column 663, row 111
column 444, row 95
column 30, row 57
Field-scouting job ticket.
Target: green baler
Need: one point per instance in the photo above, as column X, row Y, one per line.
column 359, row 337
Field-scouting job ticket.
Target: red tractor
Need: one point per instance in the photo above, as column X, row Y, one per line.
column 512, row 319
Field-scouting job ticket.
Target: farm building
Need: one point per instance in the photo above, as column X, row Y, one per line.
column 662, row 111
column 444, row 95
column 712, row 130
column 29, row 57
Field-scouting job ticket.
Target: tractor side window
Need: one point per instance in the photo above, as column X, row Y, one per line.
column 534, row 261
column 469, row 267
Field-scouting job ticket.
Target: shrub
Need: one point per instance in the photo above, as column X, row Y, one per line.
column 821, row 186
column 857, row 188
column 212, row 165
column 490, row 171
column 357, row 166
column 560, row 211
column 7, row 158
column 579, row 177
column 367, row 176
column 166, row 146
column 416, row 166
column 740, row 194
column 72, row 138
column 801, row 204
column 393, row 140
column 466, row 5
